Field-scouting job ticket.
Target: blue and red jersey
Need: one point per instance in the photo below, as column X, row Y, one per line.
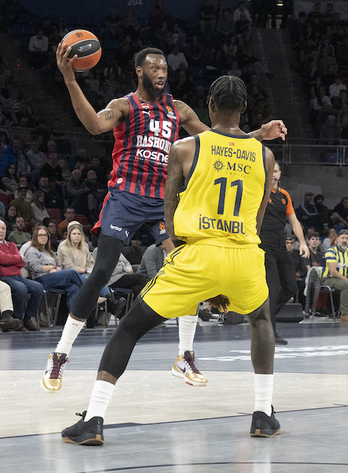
column 142, row 144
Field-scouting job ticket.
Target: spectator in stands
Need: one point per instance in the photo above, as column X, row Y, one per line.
column 10, row 219
column 7, row 323
column 123, row 276
column 22, row 206
column 69, row 214
column 38, row 49
column 53, row 199
column 324, row 214
column 152, row 261
column 76, row 191
column 340, row 213
column 241, row 10
column 243, row 27
column 315, row 255
column 225, row 25
column 330, row 240
column 335, row 273
column 38, row 206
column 336, row 87
column 10, row 181
column 325, row 60
column 23, row 182
column 2, row 210
column 330, row 131
column 13, row 154
column 306, row 212
column 73, row 253
column 36, row 158
column 43, row 267
column 300, row 266
column 18, row 236
column 11, row 263
column 66, row 173
column 51, row 226
column 195, row 51
column 163, row 37
column 207, row 16
column 176, row 60
column 53, row 171
column 182, row 87
column 95, row 196
column 99, row 170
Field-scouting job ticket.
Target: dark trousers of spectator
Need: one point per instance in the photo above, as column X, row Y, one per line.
column 280, row 273
column 66, row 279
column 135, row 282
column 20, row 288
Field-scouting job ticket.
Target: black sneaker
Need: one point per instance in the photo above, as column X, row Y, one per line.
column 85, row 433
column 263, row 425
column 279, row 340
column 7, row 323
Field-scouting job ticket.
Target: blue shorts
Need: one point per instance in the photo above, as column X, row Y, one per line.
column 124, row 213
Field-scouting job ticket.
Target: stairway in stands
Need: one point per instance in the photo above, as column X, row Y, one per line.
column 290, row 102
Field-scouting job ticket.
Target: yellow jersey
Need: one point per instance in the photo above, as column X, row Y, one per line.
column 223, row 190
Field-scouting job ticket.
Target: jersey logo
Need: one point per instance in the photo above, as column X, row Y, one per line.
column 218, row 165
column 283, row 201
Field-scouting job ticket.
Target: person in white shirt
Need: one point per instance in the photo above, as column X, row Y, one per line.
column 336, row 87
column 38, row 48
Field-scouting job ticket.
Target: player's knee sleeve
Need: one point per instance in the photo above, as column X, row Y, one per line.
column 140, row 319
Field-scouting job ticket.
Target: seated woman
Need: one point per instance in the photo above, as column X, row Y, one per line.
column 73, row 253
column 10, row 181
column 43, row 266
column 52, row 230
column 38, row 206
column 10, row 219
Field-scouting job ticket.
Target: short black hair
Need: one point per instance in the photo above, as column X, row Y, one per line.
column 228, row 93
column 140, row 57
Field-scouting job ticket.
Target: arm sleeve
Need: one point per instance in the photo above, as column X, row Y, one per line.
column 33, row 263
column 12, row 258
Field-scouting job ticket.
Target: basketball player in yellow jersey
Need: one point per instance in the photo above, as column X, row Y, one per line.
column 216, row 193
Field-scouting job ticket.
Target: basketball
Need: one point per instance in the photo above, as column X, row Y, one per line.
column 86, row 45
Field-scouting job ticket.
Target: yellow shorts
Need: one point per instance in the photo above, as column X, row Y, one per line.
column 195, row 272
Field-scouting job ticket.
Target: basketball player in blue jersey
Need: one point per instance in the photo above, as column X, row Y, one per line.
column 217, row 189
column 146, row 124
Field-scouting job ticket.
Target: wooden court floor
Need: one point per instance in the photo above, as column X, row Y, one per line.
column 157, row 423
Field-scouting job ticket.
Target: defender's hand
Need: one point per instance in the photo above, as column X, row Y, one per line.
column 274, row 129
column 220, row 302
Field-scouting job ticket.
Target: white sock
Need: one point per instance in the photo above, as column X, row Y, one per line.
column 187, row 330
column 100, row 399
column 263, row 392
column 70, row 332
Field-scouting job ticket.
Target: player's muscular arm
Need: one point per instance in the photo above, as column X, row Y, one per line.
column 269, row 169
column 189, row 120
column 180, row 160
column 95, row 123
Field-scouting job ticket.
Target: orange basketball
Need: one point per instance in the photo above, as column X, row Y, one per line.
column 86, row 45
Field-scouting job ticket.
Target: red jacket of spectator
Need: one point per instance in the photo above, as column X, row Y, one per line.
column 10, row 260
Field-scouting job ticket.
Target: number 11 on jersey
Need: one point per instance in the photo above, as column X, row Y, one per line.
column 222, row 181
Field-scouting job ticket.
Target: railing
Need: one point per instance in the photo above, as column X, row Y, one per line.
column 292, row 151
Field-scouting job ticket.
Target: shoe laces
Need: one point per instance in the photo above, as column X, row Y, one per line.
column 190, row 361
column 57, row 366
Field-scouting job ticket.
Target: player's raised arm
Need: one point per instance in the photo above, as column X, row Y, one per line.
column 94, row 122
column 268, row 186
column 189, row 119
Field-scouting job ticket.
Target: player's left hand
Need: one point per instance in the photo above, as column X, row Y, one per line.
column 220, row 302
column 274, row 129
column 304, row 250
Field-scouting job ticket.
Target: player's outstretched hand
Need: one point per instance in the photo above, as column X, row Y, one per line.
column 274, row 129
column 220, row 302
column 65, row 64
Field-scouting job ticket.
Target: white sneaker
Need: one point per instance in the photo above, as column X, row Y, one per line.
column 185, row 367
column 52, row 379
